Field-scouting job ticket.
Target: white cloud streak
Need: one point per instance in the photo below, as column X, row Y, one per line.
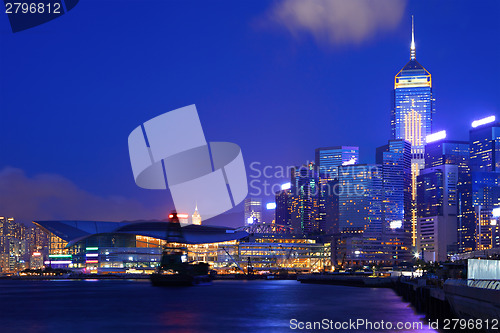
column 335, row 22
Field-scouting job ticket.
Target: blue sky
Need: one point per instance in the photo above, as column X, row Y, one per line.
column 270, row 76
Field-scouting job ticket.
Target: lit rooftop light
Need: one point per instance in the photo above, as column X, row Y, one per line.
column 271, row 205
column 352, row 161
column 435, row 136
column 286, row 186
column 483, row 121
column 398, row 224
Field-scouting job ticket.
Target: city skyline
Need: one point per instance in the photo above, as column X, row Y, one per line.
column 166, row 165
column 74, row 153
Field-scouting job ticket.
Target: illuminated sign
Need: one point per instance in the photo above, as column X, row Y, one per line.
column 250, row 220
column 350, row 162
column 92, row 261
column 58, row 262
column 286, row 186
column 483, row 121
column 181, row 216
column 92, row 248
column 36, row 254
column 271, row 205
column 496, row 212
column 396, row 224
column 59, row 255
column 92, row 254
column 436, row 136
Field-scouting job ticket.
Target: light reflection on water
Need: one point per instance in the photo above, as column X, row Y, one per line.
column 224, row 306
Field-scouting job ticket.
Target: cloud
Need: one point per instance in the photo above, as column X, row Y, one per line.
column 50, row 196
column 336, row 22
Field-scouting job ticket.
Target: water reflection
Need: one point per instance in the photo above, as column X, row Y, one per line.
column 225, row 306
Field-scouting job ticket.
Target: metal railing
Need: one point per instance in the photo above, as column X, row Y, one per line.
column 483, row 284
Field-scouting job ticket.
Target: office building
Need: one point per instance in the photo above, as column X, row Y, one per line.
column 437, row 191
column 411, row 119
column 395, row 160
column 283, row 210
column 305, row 199
column 253, row 210
column 452, row 152
column 484, row 140
column 328, row 160
column 360, row 213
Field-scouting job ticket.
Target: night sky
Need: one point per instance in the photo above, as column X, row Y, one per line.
column 278, row 78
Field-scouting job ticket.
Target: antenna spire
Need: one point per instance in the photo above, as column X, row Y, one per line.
column 412, row 47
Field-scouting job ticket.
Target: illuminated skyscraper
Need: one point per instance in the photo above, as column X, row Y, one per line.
column 305, row 199
column 412, row 115
column 253, row 210
column 485, row 145
column 360, row 213
column 196, row 217
column 328, row 160
column 437, row 212
column 450, row 152
column 395, row 159
column 485, row 166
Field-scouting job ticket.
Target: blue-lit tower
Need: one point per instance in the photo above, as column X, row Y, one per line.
column 328, row 160
column 395, row 159
column 484, row 140
column 451, row 152
column 412, row 115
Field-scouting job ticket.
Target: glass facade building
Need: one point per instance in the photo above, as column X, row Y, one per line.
column 137, row 248
column 360, row 198
column 411, row 117
column 253, row 210
column 283, row 209
column 328, row 159
column 449, row 152
column 395, row 159
column 305, row 199
column 413, row 107
column 485, row 148
column 437, row 198
column 485, row 166
column 486, row 197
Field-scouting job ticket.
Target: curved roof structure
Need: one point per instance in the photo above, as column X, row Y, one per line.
column 75, row 231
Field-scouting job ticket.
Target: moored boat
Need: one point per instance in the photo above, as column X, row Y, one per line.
column 174, row 268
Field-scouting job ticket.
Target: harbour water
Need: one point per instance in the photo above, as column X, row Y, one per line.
column 223, row 306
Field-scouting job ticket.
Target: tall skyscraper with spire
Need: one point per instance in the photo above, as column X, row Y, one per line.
column 412, row 115
column 196, row 217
